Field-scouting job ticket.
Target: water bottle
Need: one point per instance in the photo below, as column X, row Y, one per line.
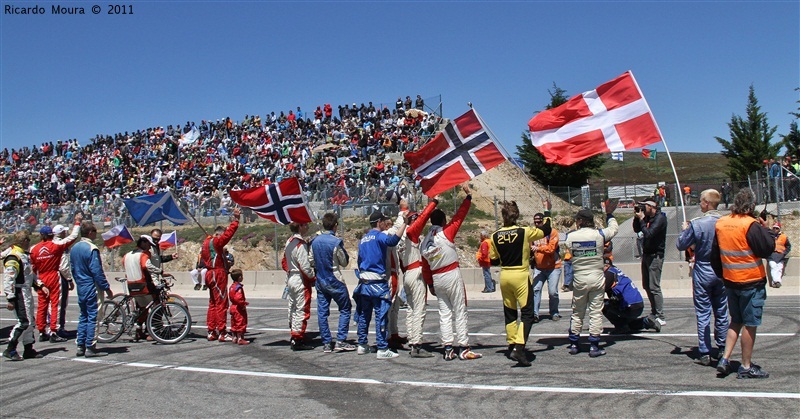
column 285, row 293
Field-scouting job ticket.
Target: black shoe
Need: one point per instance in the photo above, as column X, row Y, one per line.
column 485, row 291
column 31, row 354
column 753, row 372
column 205, row 287
column 197, row 287
column 704, row 360
column 723, row 366
column 81, row 351
column 91, row 352
column 535, row 318
column 54, row 338
column 418, row 352
column 596, row 351
column 573, row 349
column 44, row 337
column 299, row 346
column 518, row 354
column 12, row 355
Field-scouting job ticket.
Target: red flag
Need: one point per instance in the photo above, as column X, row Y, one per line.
column 170, row 240
column 117, row 236
column 281, row 202
column 458, row 153
column 613, row 117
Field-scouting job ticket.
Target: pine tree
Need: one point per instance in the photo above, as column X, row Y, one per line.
column 750, row 141
column 792, row 140
column 554, row 174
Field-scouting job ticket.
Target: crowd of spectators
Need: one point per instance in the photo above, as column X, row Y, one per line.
column 341, row 155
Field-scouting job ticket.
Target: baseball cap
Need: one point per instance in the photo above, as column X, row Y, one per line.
column 648, row 202
column 377, row 216
column 776, row 225
column 46, row 230
column 59, row 229
column 585, row 214
column 149, row 239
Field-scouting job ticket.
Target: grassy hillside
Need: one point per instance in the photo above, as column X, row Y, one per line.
column 690, row 167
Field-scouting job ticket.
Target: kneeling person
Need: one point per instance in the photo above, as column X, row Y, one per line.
column 625, row 304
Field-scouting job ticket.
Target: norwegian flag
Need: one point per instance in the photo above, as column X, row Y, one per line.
column 458, row 153
column 281, row 202
column 613, row 117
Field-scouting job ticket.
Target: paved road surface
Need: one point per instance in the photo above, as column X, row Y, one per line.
column 645, row 375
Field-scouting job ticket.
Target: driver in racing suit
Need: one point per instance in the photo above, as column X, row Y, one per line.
column 213, row 255
column 510, row 248
column 18, row 278
column 439, row 251
column 413, row 283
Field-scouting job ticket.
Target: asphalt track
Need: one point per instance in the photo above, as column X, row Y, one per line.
column 643, row 375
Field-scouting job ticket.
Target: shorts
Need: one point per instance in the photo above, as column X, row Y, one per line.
column 747, row 306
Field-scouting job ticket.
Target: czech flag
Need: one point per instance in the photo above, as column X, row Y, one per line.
column 117, row 236
column 168, row 241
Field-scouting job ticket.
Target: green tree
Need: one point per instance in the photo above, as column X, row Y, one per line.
column 750, row 141
column 554, row 174
column 792, row 140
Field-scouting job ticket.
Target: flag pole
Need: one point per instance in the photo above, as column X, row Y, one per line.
column 502, row 148
column 666, row 148
column 189, row 214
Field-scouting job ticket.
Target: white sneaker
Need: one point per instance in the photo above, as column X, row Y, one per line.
column 661, row 321
column 387, row 354
column 363, row 349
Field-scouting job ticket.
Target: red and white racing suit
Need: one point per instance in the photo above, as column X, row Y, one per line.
column 299, row 280
column 411, row 265
column 439, row 252
column 212, row 254
column 46, row 262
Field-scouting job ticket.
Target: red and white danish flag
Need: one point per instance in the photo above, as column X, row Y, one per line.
column 461, row 151
column 613, row 117
column 281, row 202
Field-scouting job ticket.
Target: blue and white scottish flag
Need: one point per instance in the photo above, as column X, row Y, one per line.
column 148, row 209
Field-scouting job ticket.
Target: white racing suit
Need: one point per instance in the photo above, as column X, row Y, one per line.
column 439, row 252
column 586, row 247
column 18, row 279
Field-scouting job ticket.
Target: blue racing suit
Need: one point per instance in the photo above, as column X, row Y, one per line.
column 373, row 291
column 329, row 255
column 709, row 290
column 87, row 271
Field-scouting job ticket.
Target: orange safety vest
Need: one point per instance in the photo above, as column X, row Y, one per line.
column 739, row 263
column 780, row 243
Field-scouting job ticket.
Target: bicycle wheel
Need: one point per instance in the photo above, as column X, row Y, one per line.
column 169, row 322
column 111, row 322
column 175, row 298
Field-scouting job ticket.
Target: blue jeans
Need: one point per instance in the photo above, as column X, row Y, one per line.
column 488, row 283
column 710, row 296
column 539, row 277
column 337, row 291
column 87, row 320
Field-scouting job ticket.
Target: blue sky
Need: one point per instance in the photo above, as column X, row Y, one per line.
column 78, row 76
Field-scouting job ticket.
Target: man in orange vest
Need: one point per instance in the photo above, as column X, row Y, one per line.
column 547, row 268
column 482, row 256
column 741, row 242
column 779, row 257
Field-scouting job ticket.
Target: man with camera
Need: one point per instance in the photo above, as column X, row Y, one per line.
column 650, row 225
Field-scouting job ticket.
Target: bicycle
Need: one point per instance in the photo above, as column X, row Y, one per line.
column 168, row 322
column 170, row 297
